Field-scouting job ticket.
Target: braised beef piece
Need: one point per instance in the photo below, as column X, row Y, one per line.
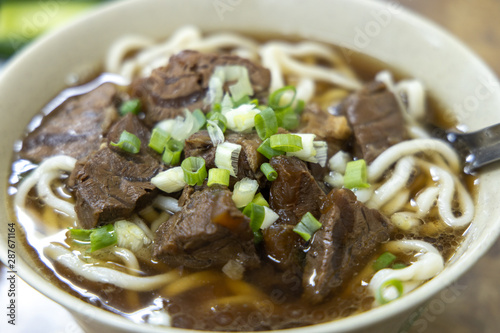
column 199, row 144
column 207, row 232
column 75, row 128
column 376, row 119
column 295, row 191
column 111, row 184
column 184, row 81
column 350, row 236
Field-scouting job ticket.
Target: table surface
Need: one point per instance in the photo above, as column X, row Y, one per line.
column 473, row 305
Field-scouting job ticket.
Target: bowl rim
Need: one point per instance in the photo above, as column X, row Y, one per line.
column 411, row 300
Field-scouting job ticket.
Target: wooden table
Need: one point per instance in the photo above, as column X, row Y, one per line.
column 473, row 303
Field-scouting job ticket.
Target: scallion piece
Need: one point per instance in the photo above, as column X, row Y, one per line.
column 194, row 169
column 215, row 133
column 158, row 140
column 170, row 181
column 131, row 106
column 276, row 96
column 218, row 176
column 384, row 261
column 307, row 153
column 82, row 235
column 398, row 266
column 286, row 142
column 259, row 200
column 244, row 191
column 226, row 157
column 287, row 119
column 256, row 213
column 268, row 171
column 102, row 237
column 219, row 119
column 199, row 117
column 379, row 294
column 172, row 154
column 307, row 226
column 266, row 123
column 355, row 175
column 242, row 118
column 128, row 142
column 266, row 150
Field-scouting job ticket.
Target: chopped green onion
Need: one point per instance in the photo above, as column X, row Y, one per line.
column 338, row 162
column 166, row 126
column 102, row 237
column 227, row 155
column 287, row 119
column 128, row 142
column 219, row 119
column 200, row 118
column 266, row 123
column 321, row 148
column 259, row 200
column 194, row 169
column 307, row 226
column 246, row 100
column 215, row 133
column 216, row 108
column 226, row 104
column 398, row 266
column 256, row 213
column 82, row 235
column 266, row 150
column 218, row 176
column 258, row 236
column 269, row 218
column 131, row 106
column 276, row 96
column 243, row 87
column 299, row 107
column 215, row 86
column 184, row 127
column 286, row 142
column 356, row 175
column 307, row 153
column 172, row 154
column 397, row 284
column 384, row 261
column 268, row 171
column 170, row 181
column 158, row 140
column 244, row 191
column 242, row 118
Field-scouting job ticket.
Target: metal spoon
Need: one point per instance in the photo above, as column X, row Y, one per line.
column 477, row 149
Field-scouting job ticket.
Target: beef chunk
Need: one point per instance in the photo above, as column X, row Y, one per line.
column 199, row 144
column 376, row 119
column 184, row 81
column 350, row 235
column 295, row 191
column 284, row 246
column 111, row 184
column 208, row 232
column 75, row 128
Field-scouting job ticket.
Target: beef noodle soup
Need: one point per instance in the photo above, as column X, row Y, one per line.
column 220, row 183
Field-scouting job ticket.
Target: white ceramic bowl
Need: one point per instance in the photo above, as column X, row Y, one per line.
column 460, row 80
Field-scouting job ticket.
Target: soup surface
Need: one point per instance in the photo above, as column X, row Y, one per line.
column 227, row 183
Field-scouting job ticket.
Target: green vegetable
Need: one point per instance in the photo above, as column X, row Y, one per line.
column 266, row 150
column 268, row 171
column 131, row 106
column 356, row 175
column 128, row 142
column 194, row 170
column 384, row 261
column 307, row 226
column 391, row 283
column 172, row 154
column 266, row 123
column 99, row 238
column 275, row 98
column 259, row 200
column 286, row 142
column 158, row 140
column 218, row 176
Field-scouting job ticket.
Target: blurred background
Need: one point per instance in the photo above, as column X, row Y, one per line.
column 472, row 304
